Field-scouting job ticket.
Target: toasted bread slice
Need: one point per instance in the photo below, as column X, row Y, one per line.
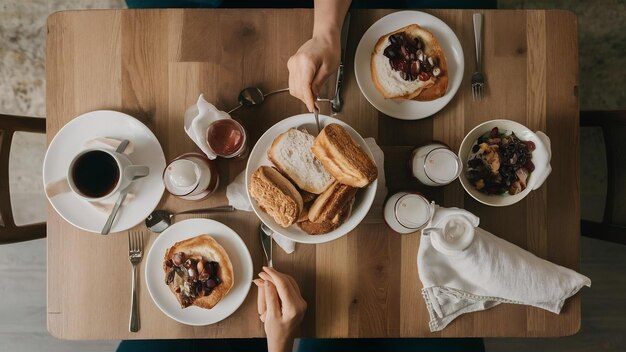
column 331, row 202
column 325, row 226
column 343, row 157
column 390, row 83
column 291, row 154
column 205, row 247
column 276, row 195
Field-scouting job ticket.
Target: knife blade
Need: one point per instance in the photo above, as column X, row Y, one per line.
column 266, row 241
column 336, row 103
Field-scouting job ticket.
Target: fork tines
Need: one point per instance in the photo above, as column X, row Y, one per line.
column 135, row 243
column 478, row 91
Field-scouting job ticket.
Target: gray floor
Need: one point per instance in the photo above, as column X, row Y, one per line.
column 22, row 91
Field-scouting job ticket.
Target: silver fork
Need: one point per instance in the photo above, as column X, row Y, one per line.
column 478, row 79
column 135, row 253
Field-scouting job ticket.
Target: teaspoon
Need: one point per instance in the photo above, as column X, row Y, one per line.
column 253, row 96
column 161, row 219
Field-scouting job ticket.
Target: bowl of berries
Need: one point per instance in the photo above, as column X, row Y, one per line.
column 503, row 162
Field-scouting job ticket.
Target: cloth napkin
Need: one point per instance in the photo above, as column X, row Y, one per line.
column 197, row 120
column 62, row 186
column 238, row 197
column 488, row 272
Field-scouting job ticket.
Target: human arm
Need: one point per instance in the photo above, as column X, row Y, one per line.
column 319, row 57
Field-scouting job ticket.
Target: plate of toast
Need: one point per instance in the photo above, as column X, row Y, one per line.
column 198, row 271
column 409, row 65
column 309, row 187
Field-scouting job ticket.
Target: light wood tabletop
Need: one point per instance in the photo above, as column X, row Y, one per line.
column 153, row 64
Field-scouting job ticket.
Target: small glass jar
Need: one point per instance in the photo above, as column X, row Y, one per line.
column 191, row 176
column 407, row 212
column 227, row 138
column 435, row 164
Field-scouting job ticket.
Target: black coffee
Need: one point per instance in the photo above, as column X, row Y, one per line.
column 95, row 174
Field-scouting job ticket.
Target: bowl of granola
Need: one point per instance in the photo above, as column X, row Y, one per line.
column 503, row 162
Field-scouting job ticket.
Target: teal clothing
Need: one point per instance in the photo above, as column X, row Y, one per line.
column 383, row 4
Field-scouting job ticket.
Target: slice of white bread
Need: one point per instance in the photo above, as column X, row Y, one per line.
column 389, row 82
column 276, row 195
column 291, row 154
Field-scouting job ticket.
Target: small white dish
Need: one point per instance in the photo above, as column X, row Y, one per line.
column 408, row 109
column 541, row 159
column 71, row 140
column 239, row 257
column 258, row 157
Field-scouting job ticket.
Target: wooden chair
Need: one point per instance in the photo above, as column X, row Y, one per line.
column 9, row 231
column 609, row 122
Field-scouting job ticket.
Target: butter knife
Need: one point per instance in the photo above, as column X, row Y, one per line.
column 266, row 241
column 337, row 101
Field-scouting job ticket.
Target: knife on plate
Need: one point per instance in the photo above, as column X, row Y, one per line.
column 336, row 103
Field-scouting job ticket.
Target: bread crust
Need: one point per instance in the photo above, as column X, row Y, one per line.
column 433, row 88
column 206, row 247
column 331, row 202
column 325, row 226
column 276, row 195
column 343, row 158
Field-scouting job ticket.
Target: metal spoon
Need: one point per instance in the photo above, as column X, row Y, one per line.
column 161, row 219
column 253, row 96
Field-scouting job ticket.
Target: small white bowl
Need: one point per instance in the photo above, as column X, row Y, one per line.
column 541, row 159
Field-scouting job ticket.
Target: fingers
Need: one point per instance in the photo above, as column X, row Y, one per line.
column 271, row 300
column 320, row 78
column 301, row 74
column 261, row 307
column 283, row 285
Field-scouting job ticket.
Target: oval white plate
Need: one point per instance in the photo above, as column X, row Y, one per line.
column 408, row 109
column 234, row 247
column 541, row 159
column 258, row 157
column 71, row 139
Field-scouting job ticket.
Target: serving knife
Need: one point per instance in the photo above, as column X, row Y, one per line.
column 337, row 101
column 266, row 241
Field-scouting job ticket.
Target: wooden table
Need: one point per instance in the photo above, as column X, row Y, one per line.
column 153, row 64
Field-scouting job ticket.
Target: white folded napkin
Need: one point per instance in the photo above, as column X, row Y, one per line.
column 197, row 120
column 489, row 271
column 238, row 197
column 62, row 186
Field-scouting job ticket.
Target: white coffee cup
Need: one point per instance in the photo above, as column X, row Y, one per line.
column 98, row 173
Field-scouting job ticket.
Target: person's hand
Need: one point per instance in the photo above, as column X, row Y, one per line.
column 311, row 66
column 281, row 308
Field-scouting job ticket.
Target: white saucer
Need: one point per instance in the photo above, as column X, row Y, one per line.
column 362, row 202
column 70, row 140
column 234, row 247
column 408, row 109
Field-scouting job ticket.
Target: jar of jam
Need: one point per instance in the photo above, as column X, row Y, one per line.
column 227, row 138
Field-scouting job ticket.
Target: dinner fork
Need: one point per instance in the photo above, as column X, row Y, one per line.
column 135, row 253
column 478, row 79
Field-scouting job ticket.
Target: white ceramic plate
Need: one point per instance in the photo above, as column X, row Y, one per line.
column 71, row 139
column 234, row 247
column 258, row 157
column 541, row 160
column 408, row 109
